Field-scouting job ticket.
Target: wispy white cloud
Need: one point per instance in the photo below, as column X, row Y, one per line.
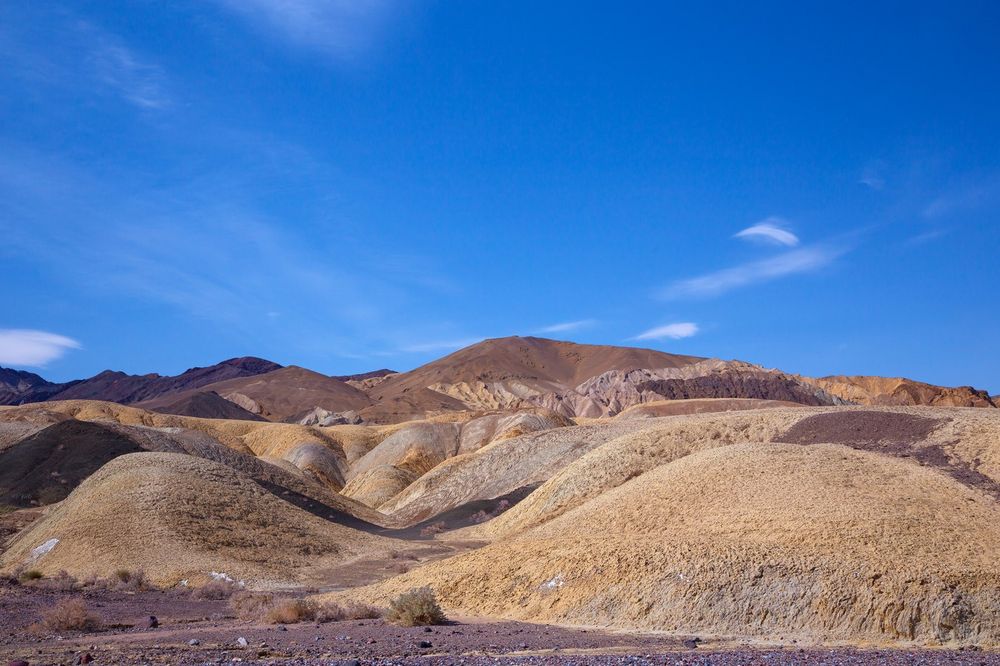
column 138, row 82
column 872, row 177
column 676, row 331
column 803, row 260
column 973, row 194
column 24, row 347
column 439, row 345
column 773, row 230
column 341, row 28
column 568, row 326
column 57, row 50
column 926, row 237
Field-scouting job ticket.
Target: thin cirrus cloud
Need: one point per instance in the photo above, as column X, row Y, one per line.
column 439, row 345
column 802, row 260
column 339, row 28
column 772, row 230
column 568, row 326
column 23, row 347
column 675, row 331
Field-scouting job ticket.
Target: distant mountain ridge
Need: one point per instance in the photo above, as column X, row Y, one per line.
column 17, row 387
column 501, row 374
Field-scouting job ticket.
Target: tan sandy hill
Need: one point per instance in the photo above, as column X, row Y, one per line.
column 660, row 408
column 179, row 517
column 314, row 452
column 413, row 449
column 283, row 394
column 45, row 465
column 201, row 404
column 500, row 468
column 863, row 390
column 878, row 526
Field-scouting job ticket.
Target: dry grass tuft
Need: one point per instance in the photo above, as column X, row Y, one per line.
column 216, row 590
column 69, row 615
column 415, row 608
column 29, row 576
column 255, row 606
column 61, row 582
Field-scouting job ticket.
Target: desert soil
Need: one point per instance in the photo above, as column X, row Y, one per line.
column 127, row 639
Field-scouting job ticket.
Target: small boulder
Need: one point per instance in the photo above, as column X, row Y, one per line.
column 18, row 662
column 194, row 642
column 425, row 644
column 692, row 643
column 242, row 642
column 152, row 622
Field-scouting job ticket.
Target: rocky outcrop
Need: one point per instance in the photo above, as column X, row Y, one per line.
column 898, row 391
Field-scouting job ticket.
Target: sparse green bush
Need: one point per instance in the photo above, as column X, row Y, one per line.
column 415, row 608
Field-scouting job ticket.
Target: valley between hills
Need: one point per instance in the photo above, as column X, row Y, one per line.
column 561, row 501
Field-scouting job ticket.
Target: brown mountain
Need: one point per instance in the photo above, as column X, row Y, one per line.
column 863, row 390
column 504, row 373
column 203, row 404
column 18, row 387
column 114, row 386
column 280, row 395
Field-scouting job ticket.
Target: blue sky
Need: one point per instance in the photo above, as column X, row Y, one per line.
column 351, row 185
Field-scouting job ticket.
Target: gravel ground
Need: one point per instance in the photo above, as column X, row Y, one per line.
column 204, row 632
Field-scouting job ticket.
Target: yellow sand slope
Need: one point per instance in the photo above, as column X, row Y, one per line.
column 180, row 517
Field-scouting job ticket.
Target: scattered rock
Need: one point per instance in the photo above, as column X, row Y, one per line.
column 425, row 644
column 84, row 658
column 242, row 642
column 193, row 642
column 18, row 662
column 692, row 643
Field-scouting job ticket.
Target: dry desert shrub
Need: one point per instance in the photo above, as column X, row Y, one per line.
column 126, row 580
column 250, row 605
column 432, row 529
column 290, row 611
column 415, row 608
column 61, row 582
column 216, row 590
column 68, row 615
column 29, row 576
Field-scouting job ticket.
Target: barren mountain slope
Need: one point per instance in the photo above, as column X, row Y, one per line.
column 201, row 404
column 961, row 442
column 660, row 408
column 286, row 393
column 18, row 387
column 815, row 542
column 866, row 390
column 500, row 468
column 180, row 517
column 126, row 389
column 501, row 373
column 312, row 450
